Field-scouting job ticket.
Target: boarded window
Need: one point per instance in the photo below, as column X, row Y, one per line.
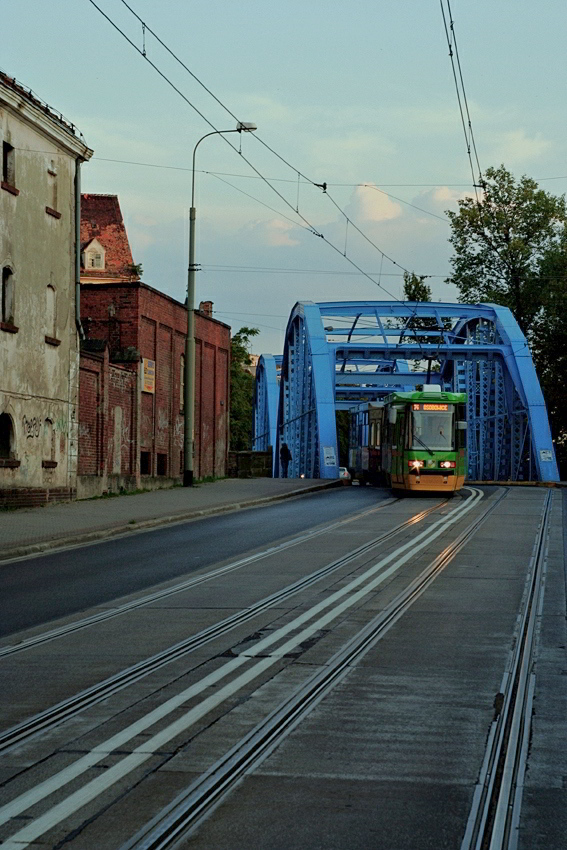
column 8, row 164
column 162, row 464
column 48, row 440
column 50, row 311
column 7, row 295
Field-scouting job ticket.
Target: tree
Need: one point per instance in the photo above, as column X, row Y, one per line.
column 511, row 249
column 548, row 343
column 500, row 241
column 242, row 383
column 415, row 289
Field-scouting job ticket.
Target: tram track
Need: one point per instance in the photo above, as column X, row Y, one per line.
column 239, row 672
column 185, row 814
column 157, row 596
column 89, row 697
column 495, row 814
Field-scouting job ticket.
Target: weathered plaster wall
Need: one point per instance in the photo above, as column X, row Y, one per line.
column 39, row 341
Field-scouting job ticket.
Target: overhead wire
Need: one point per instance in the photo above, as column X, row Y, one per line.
column 322, row 186
column 461, row 95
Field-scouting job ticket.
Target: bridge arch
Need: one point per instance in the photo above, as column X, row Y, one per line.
column 339, row 353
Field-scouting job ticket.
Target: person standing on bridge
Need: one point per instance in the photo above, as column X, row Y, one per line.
column 285, row 457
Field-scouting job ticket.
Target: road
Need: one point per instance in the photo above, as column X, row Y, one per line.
column 322, row 673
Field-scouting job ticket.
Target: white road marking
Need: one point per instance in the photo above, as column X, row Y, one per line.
column 108, row 614
column 145, row 751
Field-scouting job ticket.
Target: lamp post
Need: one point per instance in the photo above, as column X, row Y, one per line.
column 189, row 366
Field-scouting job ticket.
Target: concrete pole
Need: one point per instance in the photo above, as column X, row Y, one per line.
column 189, row 388
column 189, row 372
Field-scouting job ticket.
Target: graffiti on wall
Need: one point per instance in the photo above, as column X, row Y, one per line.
column 32, row 427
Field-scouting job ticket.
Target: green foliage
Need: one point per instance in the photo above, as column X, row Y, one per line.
column 242, row 384
column 500, row 242
column 342, row 418
column 135, row 271
column 415, row 289
column 548, row 343
column 511, row 249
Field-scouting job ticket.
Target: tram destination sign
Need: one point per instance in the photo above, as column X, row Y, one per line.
column 430, row 406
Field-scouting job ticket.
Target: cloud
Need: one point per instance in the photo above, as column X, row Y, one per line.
column 515, row 148
column 370, row 204
column 274, row 232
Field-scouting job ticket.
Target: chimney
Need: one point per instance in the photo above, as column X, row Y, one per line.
column 206, row 307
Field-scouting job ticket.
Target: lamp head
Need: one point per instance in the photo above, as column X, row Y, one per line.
column 246, row 127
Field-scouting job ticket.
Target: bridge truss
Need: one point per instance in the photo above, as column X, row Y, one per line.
column 337, row 354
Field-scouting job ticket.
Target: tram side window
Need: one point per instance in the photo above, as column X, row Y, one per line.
column 461, row 434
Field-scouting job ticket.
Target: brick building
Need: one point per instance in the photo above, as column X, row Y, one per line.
column 134, row 329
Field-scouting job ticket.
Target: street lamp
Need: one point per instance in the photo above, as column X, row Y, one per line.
column 189, row 366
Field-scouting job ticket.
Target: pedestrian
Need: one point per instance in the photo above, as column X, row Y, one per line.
column 285, row 457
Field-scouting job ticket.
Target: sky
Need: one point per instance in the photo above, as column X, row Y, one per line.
column 359, row 96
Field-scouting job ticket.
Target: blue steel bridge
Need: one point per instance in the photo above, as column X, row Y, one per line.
column 337, row 354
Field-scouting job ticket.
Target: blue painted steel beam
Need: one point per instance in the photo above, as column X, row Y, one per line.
column 336, row 353
column 266, row 397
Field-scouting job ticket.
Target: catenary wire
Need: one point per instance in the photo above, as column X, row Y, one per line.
column 323, row 186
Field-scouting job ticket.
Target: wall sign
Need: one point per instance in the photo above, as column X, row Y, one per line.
column 149, row 379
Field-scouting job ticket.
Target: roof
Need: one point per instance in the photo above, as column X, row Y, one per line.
column 20, row 97
column 101, row 219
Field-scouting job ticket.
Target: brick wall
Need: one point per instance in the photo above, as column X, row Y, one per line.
column 108, row 425
column 140, row 322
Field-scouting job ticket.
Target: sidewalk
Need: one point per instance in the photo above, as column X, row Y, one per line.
column 30, row 530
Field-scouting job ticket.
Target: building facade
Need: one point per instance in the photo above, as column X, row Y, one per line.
column 143, row 331
column 39, row 322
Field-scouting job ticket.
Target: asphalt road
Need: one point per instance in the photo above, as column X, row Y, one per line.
column 38, row 590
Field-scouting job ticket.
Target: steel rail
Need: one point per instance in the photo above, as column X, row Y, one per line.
column 181, row 817
column 71, row 706
column 85, row 622
column 494, row 817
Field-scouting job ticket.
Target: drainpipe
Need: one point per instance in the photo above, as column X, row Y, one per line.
column 78, row 248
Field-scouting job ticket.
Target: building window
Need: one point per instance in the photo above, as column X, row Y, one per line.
column 7, row 296
column 145, row 463
column 181, row 465
column 95, row 261
column 6, row 436
column 8, row 164
column 48, row 461
column 50, row 311
column 182, row 384
column 162, row 464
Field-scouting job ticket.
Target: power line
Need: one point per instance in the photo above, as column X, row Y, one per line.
column 461, row 94
column 322, row 186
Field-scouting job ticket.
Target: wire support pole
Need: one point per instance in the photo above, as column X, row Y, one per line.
column 189, row 365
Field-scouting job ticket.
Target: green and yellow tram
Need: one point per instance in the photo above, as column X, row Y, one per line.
column 424, row 441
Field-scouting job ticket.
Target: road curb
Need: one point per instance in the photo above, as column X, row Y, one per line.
column 133, row 526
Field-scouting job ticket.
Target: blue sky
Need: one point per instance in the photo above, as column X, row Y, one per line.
column 349, row 94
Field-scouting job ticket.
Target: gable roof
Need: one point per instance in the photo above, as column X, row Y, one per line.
column 101, row 219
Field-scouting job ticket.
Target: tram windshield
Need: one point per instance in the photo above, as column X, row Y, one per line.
column 432, row 429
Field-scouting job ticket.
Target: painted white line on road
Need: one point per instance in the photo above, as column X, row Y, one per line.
column 141, row 754
column 44, row 637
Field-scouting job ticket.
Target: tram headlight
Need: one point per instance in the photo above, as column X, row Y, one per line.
column 448, row 464
column 415, row 464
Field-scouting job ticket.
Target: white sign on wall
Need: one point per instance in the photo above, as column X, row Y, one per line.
column 330, row 458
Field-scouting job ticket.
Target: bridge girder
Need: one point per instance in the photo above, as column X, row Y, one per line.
column 339, row 353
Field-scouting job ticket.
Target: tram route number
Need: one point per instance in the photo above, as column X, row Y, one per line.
column 431, row 406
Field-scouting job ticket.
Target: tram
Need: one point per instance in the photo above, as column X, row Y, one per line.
column 365, row 434
column 424, row 440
